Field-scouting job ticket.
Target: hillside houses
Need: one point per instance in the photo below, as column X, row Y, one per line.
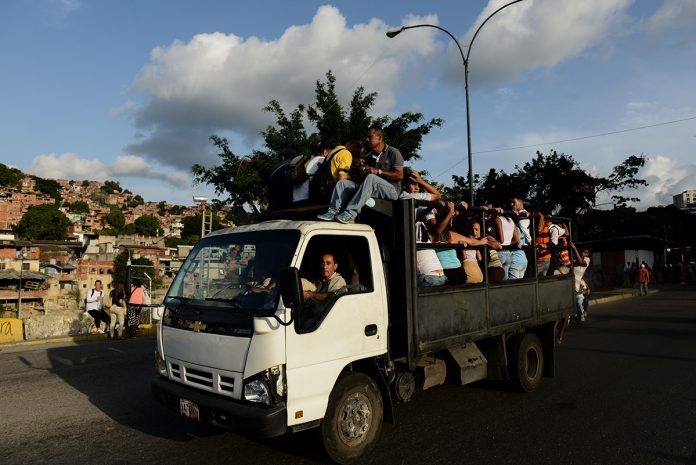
column 46, row 275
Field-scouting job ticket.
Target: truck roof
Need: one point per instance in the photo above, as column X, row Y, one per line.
column 303, row 226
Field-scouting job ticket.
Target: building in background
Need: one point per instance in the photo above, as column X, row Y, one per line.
column 686, row 200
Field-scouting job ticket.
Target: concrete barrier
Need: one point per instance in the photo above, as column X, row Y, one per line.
column 11, row 330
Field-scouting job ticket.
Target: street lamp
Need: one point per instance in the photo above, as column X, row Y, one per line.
column 202, row 201
column 391, row 33
column 23, row 255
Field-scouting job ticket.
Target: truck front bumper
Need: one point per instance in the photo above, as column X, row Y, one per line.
column 258, row 420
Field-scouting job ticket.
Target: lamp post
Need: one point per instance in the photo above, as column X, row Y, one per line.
column 22, row 256
column 202, row 201
column 391, row 33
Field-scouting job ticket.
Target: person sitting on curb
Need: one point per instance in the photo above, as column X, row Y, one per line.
column 381, row 181
column 94, row 305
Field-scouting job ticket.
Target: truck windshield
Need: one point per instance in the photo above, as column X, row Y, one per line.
column 234, row 271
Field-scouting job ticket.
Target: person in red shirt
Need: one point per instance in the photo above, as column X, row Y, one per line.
column 643, row 278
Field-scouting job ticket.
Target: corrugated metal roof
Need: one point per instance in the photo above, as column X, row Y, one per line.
column 12, row 275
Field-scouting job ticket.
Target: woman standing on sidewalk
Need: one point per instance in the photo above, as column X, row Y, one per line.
column 135, row 303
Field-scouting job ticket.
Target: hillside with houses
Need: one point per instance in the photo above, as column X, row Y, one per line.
column 38, row 276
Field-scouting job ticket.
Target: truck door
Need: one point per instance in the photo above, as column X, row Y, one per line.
column 334, row 328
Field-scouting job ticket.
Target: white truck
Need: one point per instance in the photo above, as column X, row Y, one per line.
column 239, row 346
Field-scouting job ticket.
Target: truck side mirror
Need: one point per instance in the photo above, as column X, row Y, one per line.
column 291, row 288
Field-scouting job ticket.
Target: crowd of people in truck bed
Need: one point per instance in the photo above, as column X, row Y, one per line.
column 456, row 244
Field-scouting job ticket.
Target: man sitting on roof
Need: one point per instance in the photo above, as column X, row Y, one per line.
column 381, row 181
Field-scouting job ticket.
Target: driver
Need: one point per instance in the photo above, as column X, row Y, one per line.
column 330, row 283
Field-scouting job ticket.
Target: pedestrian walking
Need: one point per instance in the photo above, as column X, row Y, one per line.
column 643, row 278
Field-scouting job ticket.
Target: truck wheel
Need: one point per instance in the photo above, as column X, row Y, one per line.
column 353, row 418
column 526, row 361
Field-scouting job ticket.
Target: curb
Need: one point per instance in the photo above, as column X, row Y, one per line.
column 143, row 330
column 614, row 298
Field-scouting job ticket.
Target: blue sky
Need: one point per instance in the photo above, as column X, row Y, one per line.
column 131, row 90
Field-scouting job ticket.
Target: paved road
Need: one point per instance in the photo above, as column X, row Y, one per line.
column 625, row 393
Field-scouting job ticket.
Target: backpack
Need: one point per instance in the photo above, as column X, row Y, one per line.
column 90, row 296
column 297, row 171
column 322, row 183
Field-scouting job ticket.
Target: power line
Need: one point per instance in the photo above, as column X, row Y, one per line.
column 569, row 140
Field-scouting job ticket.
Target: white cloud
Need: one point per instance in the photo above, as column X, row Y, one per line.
column 536, row 33
column 672, row 13
column 666, row 177
column 125, row 108
column 220, row 82
column 69, row 166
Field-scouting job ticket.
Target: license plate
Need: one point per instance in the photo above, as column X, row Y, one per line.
column 189, row 409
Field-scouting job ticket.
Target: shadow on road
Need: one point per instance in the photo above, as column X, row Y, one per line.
column 115, row 377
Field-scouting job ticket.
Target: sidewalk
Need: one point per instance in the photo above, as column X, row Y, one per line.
column 143, row 330
column 602, row 297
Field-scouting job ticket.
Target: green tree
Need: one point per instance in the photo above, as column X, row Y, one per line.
column 146, row 225
column 77, row 207
column 177, row 210
column 191, row 231
column 135, row 201
column 42, row 222
column 85, row 183
column 553, row 183
column 144, row 265
column 10, row 177
column 48, row 187
column 162, row 208
column 111, row 187
column 115, row 219
column 241, row 178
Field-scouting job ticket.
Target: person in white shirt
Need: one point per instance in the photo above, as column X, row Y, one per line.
column 300, row 193
column 94, row 305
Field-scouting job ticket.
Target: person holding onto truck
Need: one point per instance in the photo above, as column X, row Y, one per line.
column 381, row 181
column 518, row 258
column 472, row 257
column 415, row 187
column 582, row 262
column 510, row 240
column 542, row 245
column 496, row 273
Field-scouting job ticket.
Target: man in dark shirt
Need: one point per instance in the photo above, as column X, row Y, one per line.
column 381, row 181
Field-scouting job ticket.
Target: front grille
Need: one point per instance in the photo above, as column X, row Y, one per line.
column 222, row 382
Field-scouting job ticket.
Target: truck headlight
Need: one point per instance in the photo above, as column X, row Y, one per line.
column 256, row 391
column 160, row 364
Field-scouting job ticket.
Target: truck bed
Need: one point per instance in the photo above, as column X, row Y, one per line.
column 448, row 316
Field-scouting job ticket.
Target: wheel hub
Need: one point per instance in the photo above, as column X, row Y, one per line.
column 355, row 419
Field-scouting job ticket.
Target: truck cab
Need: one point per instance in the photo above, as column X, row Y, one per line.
column 229, row 351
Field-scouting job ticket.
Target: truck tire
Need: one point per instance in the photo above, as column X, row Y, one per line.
column 353, row 418
column 526, row 365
